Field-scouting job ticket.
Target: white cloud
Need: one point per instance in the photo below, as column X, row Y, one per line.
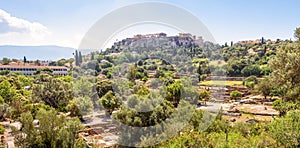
column 10, row 23
column 14, row 30
column 18, row 31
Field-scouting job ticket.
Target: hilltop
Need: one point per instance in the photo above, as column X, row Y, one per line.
column 149, row 80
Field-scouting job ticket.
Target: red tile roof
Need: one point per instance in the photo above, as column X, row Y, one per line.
column 37, row 67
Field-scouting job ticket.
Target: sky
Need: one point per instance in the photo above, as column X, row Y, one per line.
column 65, row 22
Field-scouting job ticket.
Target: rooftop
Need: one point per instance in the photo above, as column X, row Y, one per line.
column 29, row 66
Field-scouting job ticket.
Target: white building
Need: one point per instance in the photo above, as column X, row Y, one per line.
column 29, row 70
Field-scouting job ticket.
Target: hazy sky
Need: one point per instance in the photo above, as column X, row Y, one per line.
column 64, row 22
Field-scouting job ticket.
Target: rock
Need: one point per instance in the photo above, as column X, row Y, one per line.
column 36, row 122
column 268, row 103
column 252, row 121
column 232, row 119
column 232, row 114
column 234, row 110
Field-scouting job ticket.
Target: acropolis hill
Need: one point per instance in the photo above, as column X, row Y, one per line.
column 158, row 39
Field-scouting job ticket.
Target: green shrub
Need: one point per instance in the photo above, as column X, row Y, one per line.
column 1, row 100
column 2, row 129
column 249, row 84
column 235, row 94
column 285, row 130
column 251, row 79
column 145, row 78
column 251, row 70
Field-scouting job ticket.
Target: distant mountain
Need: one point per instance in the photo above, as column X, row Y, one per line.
column 36, row 52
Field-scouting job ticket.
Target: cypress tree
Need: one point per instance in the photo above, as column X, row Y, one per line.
column 92, row 56
column 80, row 58
column 262, row 40
column 265, row 50
column 76, row 58
column 25, row 60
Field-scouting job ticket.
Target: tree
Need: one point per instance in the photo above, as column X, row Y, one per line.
column 109, row 102
column 174, row 92
column 2, row 129
column 80, row 143
column 4, row 111
column 286, row 67
column 251, row 70
column 5, row 61
column 283, row 107
column 250, row 82
column 265, row 70
column 24, row 60
column 7, row 91
column 25, row 80
column 17, row 106
column 80, row 106
column 297, row 34
column 103, row 86
column 251, row 79
column 83, row 87
column 37, row 63
column 1, row 100
column 142, row 91
column 134, row 117
column 76, row 58
column 203, row 67
column 32, row 138
column 204, row 95
column 132, row 73
column 92, row 56
column 234, row 66
column 285, row 130
column 4, row 72
column 54, row 92
column 80, row 57
column 97, row 68
column 159, row 73
column 262, row 40
column 264, row 87
column 44, row 71
column 54, row 130
column 265, row 50
column 68, row 133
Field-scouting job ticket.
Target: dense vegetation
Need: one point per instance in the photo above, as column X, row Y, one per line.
column 160, row 82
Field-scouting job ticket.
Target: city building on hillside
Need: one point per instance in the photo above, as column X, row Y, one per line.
column 155, row 35
column 187, row 35
column 29, row 70
column 146, row 40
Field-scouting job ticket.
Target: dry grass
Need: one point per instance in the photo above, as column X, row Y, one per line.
column 246, row 117
column 217, row 82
